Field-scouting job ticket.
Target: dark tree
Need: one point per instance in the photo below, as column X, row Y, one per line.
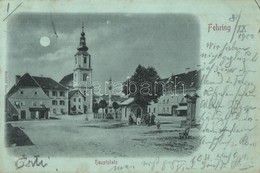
column 144, row 86
column 115, row 106
column 103, row 104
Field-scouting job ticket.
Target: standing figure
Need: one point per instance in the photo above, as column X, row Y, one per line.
column 158, row 124
column 152, row 119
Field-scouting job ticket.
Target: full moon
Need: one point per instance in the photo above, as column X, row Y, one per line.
column 45, row 41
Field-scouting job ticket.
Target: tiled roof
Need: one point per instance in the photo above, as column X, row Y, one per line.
column 49, row 83
column 33, row 81
column 25, row 81
column 67, row 79
column 190, row 79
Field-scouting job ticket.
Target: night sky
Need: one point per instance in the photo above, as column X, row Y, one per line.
column 116, row 42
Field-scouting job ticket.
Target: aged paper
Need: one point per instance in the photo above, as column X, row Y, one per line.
column 129, row 86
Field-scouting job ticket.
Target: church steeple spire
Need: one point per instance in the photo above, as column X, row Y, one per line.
column 82, row 43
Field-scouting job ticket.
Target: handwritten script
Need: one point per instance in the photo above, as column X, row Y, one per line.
column 24, row 161
column 228, row 105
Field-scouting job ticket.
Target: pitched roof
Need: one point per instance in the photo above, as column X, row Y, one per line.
column 25, row 81
column 190, row 79
column 33, row 81
column 67, row 79
column 71, row 93
column 49, row 83
column 128, row 101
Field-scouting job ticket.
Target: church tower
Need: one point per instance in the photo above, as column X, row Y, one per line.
column 82, row 73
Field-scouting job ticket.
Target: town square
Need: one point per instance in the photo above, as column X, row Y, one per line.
column 124, row 95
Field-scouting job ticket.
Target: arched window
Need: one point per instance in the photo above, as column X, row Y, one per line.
column 85, row 76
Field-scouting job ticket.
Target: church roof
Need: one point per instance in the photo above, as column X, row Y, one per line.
column 33, row 81
column 67, row 79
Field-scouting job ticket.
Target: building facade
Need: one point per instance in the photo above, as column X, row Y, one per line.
column 30, row 98
column 77, row 102
column 173, row 101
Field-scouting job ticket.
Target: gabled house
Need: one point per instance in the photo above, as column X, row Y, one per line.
column 77, row 102
column 30, row 98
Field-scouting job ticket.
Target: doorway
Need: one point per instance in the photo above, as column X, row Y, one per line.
column 23, row 115
column 138, row 112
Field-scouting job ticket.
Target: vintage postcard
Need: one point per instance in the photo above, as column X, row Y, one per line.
column 129, row 86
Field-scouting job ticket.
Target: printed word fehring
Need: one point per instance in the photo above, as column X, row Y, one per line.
column 217, row 27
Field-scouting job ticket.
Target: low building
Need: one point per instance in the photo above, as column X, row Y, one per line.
column 77, row 102
column 173, row 101
column 30, row 98
column 129, row 108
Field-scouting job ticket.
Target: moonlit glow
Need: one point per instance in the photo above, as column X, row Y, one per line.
column 45, row 41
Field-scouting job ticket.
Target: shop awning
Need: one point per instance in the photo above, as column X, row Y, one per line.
column 39, row 109
column 182, row 108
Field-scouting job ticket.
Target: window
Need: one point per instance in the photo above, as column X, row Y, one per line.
column 163, row 101
column 21, row 92
column 17, row 104
column 79, row 107
column 167, row 101
column 54, row 102
column 35, row 92
column 62, row 94
column 54, row 111
column 22, row 103
column 85, row 60
column 84, row 98
column 163, row 109
column 149, row 109
column 54, row 93
column 62, row 102
column 79, row 100
column 85, row 76
column 167, row 109
column 76, row 60
column 153, row 109
column 34, row 103
column 75, row 100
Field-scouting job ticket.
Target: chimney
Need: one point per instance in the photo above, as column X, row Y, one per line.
column 17, row 78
